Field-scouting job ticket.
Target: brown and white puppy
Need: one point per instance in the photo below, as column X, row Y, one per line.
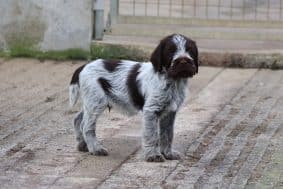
column 157, row 89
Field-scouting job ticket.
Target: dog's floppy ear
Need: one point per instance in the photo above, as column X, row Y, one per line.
column 194, row 53
column 196, row 62
column 156, row 57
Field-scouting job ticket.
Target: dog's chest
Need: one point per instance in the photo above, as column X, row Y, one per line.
column 170, row 98
column 175, row 98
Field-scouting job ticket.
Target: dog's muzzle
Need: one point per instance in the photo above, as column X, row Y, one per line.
column 182, row 68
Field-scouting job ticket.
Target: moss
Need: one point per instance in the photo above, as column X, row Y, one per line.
column 74, row 54
column 241, row 60
column 3, row 54
column 110, row 51
column 20, row 51
column 97, row 51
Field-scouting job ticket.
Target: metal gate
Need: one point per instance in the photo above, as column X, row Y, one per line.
column 234, row 13
column 260, row 10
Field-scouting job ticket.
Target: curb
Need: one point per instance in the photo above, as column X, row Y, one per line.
column 242, row 60
column 207, row 58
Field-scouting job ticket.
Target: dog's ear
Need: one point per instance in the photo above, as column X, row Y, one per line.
column 193, row 49
column 196, row 62
column 157, row 57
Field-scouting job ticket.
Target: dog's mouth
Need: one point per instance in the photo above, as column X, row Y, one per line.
column 182, row 68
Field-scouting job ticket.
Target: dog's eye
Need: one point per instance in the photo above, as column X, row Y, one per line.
column 187, row 48
column 171, row 49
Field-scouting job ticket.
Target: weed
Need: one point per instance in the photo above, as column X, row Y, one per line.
column 97, row 51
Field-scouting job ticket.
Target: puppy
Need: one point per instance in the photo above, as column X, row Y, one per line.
column 156, row 88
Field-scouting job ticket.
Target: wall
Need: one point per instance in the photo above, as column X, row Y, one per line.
column 46, row 24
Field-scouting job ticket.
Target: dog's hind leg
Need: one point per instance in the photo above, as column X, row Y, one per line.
column 90, row 117
column 78, row 132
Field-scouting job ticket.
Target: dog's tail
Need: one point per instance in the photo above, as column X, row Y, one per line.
column 74, row 91
column 74, row 88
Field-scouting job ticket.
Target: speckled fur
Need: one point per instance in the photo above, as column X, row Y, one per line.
column 157, row 95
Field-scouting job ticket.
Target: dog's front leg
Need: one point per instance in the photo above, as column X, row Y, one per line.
column 166, row 126
column 151, row 148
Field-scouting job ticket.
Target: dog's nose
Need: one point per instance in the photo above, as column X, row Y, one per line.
column 183, row 61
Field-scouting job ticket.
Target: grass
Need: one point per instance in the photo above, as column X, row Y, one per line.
column 18, row 51
column 96, row 51
column 110, row 51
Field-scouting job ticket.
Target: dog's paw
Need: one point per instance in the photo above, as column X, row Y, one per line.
column 155, row 158
column 173, row 155
column 100, row 152
column 82, row 147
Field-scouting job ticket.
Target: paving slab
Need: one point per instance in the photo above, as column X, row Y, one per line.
column 229, row 130
column 213, row 149
column 189, row 125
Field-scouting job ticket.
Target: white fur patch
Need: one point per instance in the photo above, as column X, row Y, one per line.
column 180, row 42
column 124, row 85
column 73, row 94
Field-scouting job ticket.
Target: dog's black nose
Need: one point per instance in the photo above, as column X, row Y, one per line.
column 183, row 61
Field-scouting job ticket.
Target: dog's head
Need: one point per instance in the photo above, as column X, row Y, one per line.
column 177, row 55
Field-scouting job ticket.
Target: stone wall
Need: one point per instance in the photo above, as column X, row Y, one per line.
column 46, row 24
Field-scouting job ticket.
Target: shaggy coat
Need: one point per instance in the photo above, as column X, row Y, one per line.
column 157, row 89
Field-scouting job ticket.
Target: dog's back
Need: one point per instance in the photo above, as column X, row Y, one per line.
column 107, row 80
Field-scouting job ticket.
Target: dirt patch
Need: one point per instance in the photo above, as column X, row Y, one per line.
column 198, row 109
column 15, row 149
column 238, row 129
column 240, row 161
column 257, row 173
column 216, row 161
column 238, row 60
column 245, row 153
column 208, row 138
column 49, row 99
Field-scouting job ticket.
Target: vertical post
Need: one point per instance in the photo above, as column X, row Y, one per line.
column 268, row 10
column 145, row 7
column 114, row 11
column 158, row 4
column 244, row 9
column 231, row 10
column 170, row 8
column 98, row 7
column 281, row 9
column 256, row 4
column 183, row 8
column 206, row 9
column 134, row 8
column 195, row 6
column 218, row 11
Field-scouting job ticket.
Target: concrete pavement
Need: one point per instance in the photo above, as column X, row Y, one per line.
column 229, row 132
